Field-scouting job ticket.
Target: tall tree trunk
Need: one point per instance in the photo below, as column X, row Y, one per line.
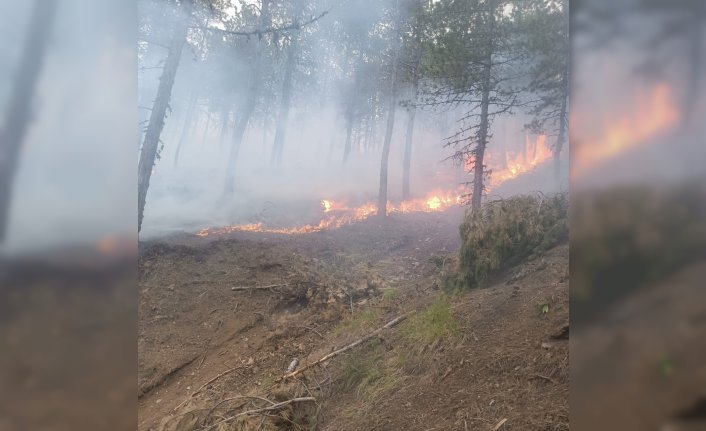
column 19, row 112
column 283, row 112
column 225, row 122
column 244, row 116
column 563, row 120
column 409, row 139
column 349, row 135
column 208, row 126
column 349, row 113
column 479, row 153
column 150, row 145
column 187, row 124
column 407, row 164
column 240, row 125
column 382, row 192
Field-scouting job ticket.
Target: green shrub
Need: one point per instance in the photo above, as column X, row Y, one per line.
column 504, row 232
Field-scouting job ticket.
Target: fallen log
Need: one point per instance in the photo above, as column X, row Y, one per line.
column 344, row 349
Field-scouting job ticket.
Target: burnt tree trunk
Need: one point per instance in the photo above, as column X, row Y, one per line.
column 484, row 127
column 150, row 145
column 249, row 107
column 19, row 111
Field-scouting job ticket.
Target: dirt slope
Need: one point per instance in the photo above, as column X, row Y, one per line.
column 499, row 361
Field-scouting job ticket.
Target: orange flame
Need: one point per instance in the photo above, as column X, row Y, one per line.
column 655, row 113
column 339, row 213
column 535, row 153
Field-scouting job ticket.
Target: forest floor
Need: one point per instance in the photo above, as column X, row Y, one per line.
column 482, row 358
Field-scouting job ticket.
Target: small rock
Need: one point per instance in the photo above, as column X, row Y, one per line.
column 546, row 345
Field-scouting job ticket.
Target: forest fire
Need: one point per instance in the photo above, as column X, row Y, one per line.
column 534, row 154
column 654, row 113
column 337, row 213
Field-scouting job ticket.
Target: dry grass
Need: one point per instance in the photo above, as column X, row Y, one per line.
column 435, row 322
column 370, row 373
column 365, row 319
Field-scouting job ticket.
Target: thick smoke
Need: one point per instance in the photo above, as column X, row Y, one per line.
column 186, row 192
column 75, row 181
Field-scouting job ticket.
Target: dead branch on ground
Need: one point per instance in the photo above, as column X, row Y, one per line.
column 206, row 384
column 275, row 406
column 248, row 288
column 346, row 348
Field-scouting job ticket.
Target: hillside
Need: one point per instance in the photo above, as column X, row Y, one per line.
column 469, row 361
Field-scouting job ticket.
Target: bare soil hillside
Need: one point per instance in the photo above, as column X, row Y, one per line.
column 222, row 319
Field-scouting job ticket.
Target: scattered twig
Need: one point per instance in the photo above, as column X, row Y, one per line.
column 239, row 397
column 263, row 409
column 326, row 358
column 248, row 288
column 499, row 424
column 313, row 330
column 205, row 351
column 204, row 385
column 549, row 379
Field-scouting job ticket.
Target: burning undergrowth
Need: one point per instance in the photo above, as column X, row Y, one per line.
column 329, row 214
column 334, row 214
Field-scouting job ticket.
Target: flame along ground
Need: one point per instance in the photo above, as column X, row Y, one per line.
column 339, row 213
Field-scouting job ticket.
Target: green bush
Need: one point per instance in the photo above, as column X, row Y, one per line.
column 502, row 233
